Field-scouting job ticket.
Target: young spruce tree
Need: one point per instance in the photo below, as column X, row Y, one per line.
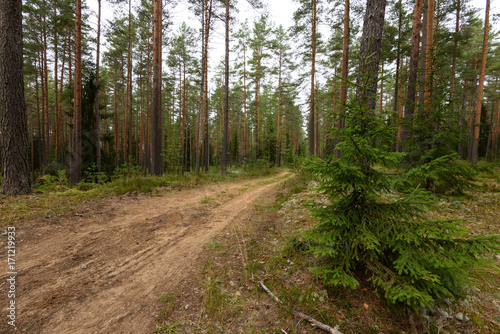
column 369, row 230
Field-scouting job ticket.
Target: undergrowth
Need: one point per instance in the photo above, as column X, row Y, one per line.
column 52, row 194
column 269, row 245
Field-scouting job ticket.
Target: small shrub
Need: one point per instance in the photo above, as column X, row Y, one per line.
column 442, row 175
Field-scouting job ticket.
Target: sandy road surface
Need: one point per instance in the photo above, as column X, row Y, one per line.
column 103, row 271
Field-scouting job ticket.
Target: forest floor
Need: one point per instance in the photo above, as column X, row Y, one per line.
column 102, row 269
column 191, row 260
column 265, row 245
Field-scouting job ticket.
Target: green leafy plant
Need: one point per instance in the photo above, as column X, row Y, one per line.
column 371, row 231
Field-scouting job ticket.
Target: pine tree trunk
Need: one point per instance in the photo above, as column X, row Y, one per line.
column 312, row 120
column 279, row 110
column 57, row 111
column 76, row 172
column 455, row 52
column 61, row 87
column 423, row 41
column 149, row 113
column 413, row 72
column 199, row 131
column 398, row 59
column 97, row 113
column 490, row 131
column 206, row 145
column 343, row 72
column 496, row 129
column 46, row 93
column 156, row 131
column 13, row 127
column 479, row 102
column 371, row 43
column 245, row 131
column 226, row 98
column 429, row 56
column 129, row 129
column 115, row 117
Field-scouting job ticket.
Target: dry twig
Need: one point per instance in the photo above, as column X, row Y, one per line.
column 301, row 315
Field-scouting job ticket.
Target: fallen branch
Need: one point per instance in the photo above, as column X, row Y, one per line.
column 301, row 315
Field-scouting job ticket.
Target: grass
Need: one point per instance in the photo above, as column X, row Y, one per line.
column 52, row 195
column 267, row 246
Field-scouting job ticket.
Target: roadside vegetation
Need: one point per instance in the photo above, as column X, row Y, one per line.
column 269, row 245
column 54, row 196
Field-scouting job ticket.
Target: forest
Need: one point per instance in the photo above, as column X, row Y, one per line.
column 372, row 127
column 284, row 88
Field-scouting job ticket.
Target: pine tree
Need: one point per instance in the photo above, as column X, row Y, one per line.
column 260, row 43
column 226, row 96
column 479, row 103
column 372, row 229
column 156, row 131
column 76, row 168
column 13, row 127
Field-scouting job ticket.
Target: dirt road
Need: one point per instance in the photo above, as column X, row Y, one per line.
column 102, row 271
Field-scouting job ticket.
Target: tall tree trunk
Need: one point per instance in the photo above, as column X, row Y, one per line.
column 245, row 131
column 371, row 43
column 41, row 116
column 412, row 76
column 115, row 117
column 199, row 131
column 496, row 128
column 39, row 128
column 257, row 105
column 398, row 58
column 423, row 41
column 429, row 57
column 279, row 111
column 206, row 144
column 455, row 51
column 460, row 150
column 46, row 92
column 312, row 136
column 226, row 98
column 156, row 131
column 184, row 130
column 490, row 130
column 13, row 123
column 381, row 99
column 479, row 102
column 57, row 111
column 97, row 113
column 149, row 113
column 61, row 87
column 129, row 129
column 76, row 173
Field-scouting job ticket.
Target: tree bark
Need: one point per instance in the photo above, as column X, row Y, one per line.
column 156, row 131
column 479, row 102
column 76, row 172
column 97, row 113
column 423, row 41
column 279, row 110
column 206, row 151
column 13, row 123
column 429, row 58
column 455, row 51
column 371, row 43
column 226, row 98
column 412, row 76
column 312, row 115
